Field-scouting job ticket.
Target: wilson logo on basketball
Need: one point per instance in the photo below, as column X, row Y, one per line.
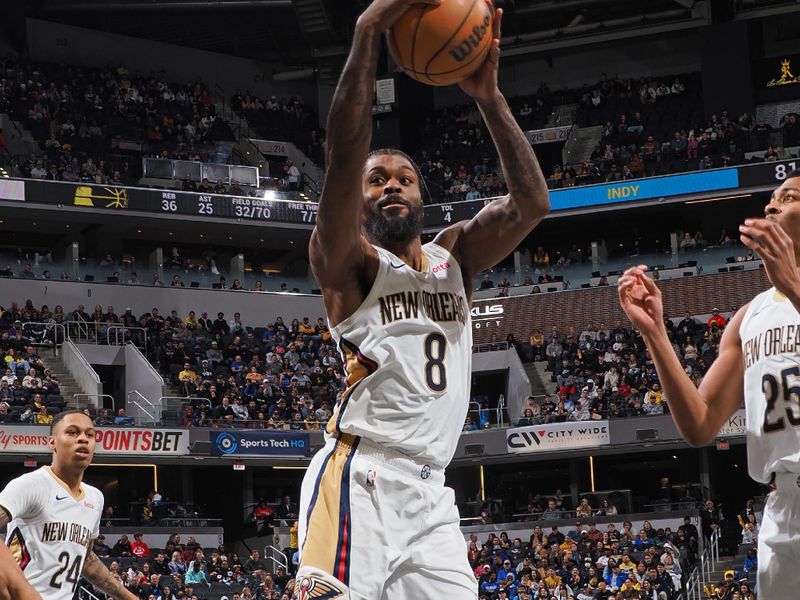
column 472, row 41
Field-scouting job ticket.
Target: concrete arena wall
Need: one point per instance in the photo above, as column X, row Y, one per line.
column 256, row 309
column 696, row 295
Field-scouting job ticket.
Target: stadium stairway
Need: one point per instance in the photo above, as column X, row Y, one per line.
column 66, row 382
column 581, row 144
column 539, row 378
column 18, row 139
column 725, row 563
column 563, row 114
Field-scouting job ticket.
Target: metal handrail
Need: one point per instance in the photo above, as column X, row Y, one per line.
column 83, row 593
column 708, row 559
column 85, row 362
column 490, row 346
column 694, row 587
column 81, row 329
column 284, row 564
column 184, row 400
column 49, row 326
column 142, row 408
column 76, row 399
column 501, row 405
column 124, row 329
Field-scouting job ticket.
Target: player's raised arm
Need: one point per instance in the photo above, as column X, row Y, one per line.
column 13, row 585
column 336, row 246
column 700, row 412
column 100, row 577
column 500, row 227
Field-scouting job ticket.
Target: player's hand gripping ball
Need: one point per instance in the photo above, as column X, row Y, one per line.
column 444, row 44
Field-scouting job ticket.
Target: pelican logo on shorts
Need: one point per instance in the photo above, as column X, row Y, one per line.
column 372, row 474
column 425, row 472
column 227, row 444
column 311, row 588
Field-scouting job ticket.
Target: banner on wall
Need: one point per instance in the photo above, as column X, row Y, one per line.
column 33, row 439
column 548, row 135
column 558, row 436
column 259, row 443
column 735, row 425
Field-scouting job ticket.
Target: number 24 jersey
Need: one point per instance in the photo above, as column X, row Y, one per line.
column 50, row 530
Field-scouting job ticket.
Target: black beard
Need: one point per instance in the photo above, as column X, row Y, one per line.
column 394, row 230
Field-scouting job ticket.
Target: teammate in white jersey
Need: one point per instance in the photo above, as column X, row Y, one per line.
column 52, row 517
column 759, row 362
column 376, row 521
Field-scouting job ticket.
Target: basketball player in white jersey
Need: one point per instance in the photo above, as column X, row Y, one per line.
column 52, row 517
column 759, row 362
column 376, row 521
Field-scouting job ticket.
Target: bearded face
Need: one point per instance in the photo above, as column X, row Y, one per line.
column 393, row 220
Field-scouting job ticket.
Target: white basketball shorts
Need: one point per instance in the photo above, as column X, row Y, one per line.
column 779, row 541
column 376, row 525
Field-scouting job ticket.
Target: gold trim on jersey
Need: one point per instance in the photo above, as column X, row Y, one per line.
column 327, row 540
column 18, row 548
column 60, row 482
column 358, row 367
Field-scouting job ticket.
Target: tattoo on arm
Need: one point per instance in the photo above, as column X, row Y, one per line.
column 350, row 114
column 518, row 161
column 100, row 577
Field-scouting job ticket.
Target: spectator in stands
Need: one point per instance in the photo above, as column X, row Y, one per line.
column 122, row 418
column 716, row 318
column 43, row 417
column 100, row 547
column 196, row 576
column 710, row 518
column 177, row 566
column 139, row 548
column 551, row 512
column 584, row 510
column 188, row 380
column 122, row 547
column 287, row 511
column 254, row 563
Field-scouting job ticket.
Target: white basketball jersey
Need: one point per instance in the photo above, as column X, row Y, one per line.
column 408, row 356
column 770, row 334
column 50, row 530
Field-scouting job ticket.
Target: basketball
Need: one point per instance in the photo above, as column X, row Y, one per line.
column 442, row 45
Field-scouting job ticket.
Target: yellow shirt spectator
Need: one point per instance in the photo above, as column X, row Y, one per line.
column 43, row 418
column 187, row 375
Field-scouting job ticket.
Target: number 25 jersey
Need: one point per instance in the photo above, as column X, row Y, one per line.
column 50, row 530
column 408, row 356
column 770, row 336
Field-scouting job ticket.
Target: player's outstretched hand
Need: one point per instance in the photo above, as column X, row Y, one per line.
column 382, row 14
column 482, row 84
column 776, row 249
column 640, row 298
column 13, row 585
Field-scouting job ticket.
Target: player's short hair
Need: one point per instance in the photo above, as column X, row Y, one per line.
column 62, row 415
column 423, row 186
column 793, row 173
